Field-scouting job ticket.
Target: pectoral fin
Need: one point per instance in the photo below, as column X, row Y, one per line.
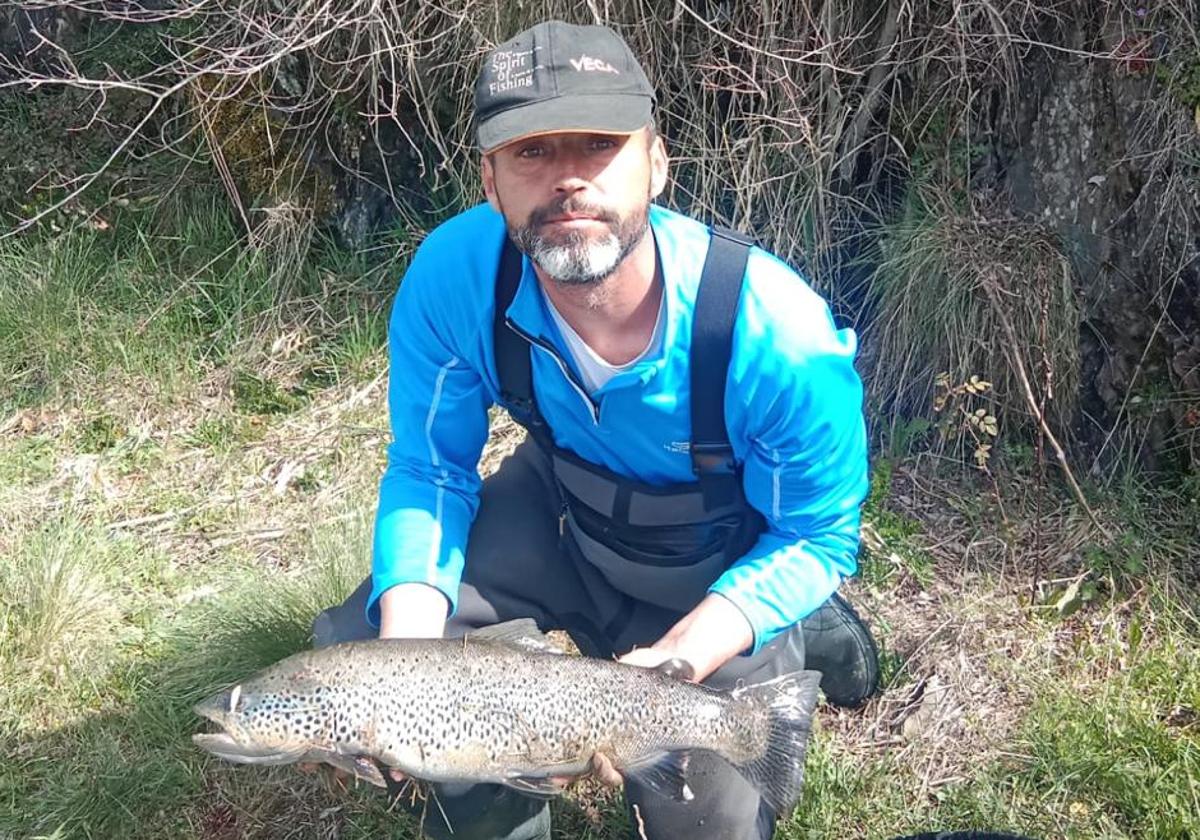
column 534, row 786
column 359, row 766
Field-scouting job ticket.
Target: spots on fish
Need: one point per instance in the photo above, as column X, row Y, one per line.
column 474, row 713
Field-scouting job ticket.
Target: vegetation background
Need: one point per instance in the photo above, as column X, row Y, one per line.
column 208, row 207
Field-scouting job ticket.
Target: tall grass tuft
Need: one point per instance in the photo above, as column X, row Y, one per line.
column 60, row 605
column 944, row 296
column 123, row 765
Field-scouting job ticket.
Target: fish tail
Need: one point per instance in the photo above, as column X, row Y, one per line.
column 777, row 770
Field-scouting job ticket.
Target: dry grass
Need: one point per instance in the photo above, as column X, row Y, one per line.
column 971, row 663
column 944, row 285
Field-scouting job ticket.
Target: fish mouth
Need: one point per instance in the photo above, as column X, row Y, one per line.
column 225, row 738
column 219, row 707
column 223, row 745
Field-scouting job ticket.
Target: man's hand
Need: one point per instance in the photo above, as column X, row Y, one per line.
column 412, row 611
column 600, row 767
column 706, row 638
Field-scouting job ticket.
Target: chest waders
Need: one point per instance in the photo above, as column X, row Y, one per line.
column 650, row 554
column 661, row 544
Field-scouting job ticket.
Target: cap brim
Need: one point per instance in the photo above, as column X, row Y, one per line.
column 607, row 113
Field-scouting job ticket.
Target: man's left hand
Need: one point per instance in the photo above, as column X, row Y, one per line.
column 706, row 638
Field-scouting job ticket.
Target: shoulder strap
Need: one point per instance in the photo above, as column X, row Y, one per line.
column 712, row 345
column 513, row 365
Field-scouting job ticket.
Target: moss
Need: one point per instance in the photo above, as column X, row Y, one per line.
column 1182, row 79
column 257, row 395
column 265, row 156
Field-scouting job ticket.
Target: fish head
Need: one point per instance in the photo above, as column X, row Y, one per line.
column 259, row 723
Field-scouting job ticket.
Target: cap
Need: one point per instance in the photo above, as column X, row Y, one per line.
column 559, row 77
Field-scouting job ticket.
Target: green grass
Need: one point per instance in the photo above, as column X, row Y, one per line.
column 168, row 292
column 1101, row 754
column 26, row 460
column 146, row 353
column 900, row 553
column 115, row 759
column 59, row 601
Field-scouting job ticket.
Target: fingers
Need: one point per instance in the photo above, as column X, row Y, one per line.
column 603, row 769
column 646, row 657
column 600, row 767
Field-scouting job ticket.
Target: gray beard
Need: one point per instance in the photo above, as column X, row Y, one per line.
column 581, row 260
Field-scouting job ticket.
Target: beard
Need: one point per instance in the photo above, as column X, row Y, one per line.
column 578, row 257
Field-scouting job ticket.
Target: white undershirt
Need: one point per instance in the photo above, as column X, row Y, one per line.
column 594, row 371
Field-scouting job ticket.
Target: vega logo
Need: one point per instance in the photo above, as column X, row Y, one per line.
column 587, row 64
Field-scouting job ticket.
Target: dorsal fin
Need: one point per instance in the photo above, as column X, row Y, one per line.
column 519, row 632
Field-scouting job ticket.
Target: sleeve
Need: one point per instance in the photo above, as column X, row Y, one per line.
column 437, row 405
column 805, row 469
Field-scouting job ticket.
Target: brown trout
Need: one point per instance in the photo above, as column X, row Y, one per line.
column 501, row 705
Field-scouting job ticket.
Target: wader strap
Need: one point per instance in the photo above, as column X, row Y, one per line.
column 513, row 365
column 712, row 345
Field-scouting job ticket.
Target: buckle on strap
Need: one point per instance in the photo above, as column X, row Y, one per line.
column 712, row 459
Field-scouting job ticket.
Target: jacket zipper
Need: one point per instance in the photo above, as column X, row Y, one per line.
column 589, row 403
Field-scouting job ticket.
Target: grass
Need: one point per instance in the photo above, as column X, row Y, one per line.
column 889, row 550
column 945, row 284
column 175, row 511
column 1103, row 751
column 165, row 294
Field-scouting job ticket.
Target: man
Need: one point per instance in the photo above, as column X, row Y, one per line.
column 696, row 461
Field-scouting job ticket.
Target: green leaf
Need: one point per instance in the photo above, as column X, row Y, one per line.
column 1070, row 601
column 1135, row 634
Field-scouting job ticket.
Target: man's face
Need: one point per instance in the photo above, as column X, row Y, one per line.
column 576, row 203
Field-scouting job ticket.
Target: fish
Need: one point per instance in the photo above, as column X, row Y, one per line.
column 504, row 705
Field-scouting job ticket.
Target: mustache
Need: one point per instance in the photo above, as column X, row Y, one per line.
column 541, row 215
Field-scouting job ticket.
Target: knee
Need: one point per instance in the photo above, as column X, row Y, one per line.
column 344, row 623
column 486, row 812
column 322, row 630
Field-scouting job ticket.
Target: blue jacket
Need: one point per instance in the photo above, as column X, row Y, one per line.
column 793, row 406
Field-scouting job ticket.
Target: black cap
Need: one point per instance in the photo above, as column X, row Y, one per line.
column 559, row 77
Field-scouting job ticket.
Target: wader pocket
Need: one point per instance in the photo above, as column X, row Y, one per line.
column 678, row 582
column 665, row 545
